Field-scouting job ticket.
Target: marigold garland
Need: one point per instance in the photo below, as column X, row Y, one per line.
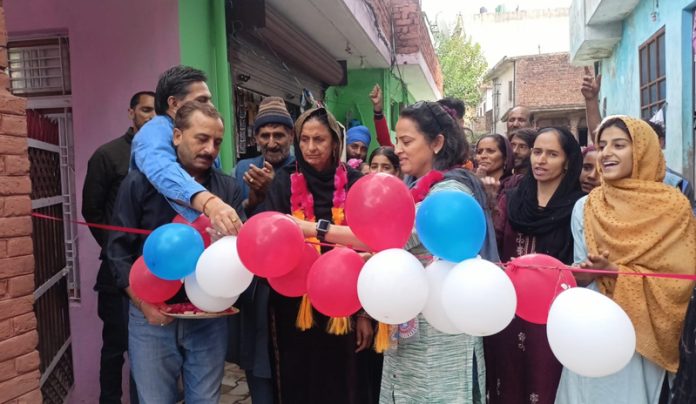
column 302, row 207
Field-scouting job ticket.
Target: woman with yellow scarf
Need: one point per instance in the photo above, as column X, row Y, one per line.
column 635, row 223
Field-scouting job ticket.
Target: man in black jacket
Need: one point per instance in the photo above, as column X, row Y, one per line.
column 161, row 348
column 106, row 169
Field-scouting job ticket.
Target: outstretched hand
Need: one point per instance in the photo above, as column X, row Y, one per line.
column 591, row 85
column 376, row 98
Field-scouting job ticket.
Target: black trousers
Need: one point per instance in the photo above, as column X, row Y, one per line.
column 112, row 308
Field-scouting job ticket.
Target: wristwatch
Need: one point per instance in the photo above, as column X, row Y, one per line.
column 322, row 228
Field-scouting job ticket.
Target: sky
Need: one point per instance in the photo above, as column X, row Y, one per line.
column 439, row 10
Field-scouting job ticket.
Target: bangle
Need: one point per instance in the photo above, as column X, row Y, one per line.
column 205, row 204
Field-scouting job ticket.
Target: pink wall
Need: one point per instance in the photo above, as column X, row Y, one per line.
column 117, row 47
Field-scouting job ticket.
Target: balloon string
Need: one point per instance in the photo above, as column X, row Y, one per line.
column 95, row 225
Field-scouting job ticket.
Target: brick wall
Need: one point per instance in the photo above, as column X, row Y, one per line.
column 19, row 360
column 383, row 15
column 412, row 35
column 547, row 80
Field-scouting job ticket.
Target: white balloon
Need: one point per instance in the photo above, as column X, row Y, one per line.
column 392, row 286
column 479, row 298
column 220, row 272
column 434, row 311
column 589, row 333
column 204, row 301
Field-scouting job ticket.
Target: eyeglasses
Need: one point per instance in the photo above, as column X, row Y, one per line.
column 421, row 104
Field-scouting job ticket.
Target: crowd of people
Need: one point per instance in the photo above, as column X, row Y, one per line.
column 613, row 206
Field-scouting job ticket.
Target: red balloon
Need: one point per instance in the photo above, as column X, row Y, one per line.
column 380, row 211
column 332, row 284
column 294, row 283
column 148, row 287
column 536, row 285
column 199, row 224
column 270, row 244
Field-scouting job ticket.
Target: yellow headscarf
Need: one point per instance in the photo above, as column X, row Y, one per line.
column 647, row 227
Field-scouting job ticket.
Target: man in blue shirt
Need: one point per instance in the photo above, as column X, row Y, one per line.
column 273, row 130
column 162, row 348
column 154, row 155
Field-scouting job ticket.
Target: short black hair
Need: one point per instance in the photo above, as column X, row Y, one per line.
column 657, row 127
column 175, row 83
column 182, row 121
column 387, row 152
column 528, row 135
column 432, row 120
column 135, row 99
column 455, row 104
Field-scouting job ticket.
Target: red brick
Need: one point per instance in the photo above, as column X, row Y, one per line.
column 14, row 185
column 12, row 144
column 27, row 363
column 17, row 205
column 2, row 165
column 19, row 246
column 14, row 307
column 3, row 287
column 24, row 323
column 21, row 285
column 31, row 398
column 15, row 266
column 17, row 165
column 19, row 385
column 7, row 370
column 18, row 346
column 10, row 104
column 6, row 330
column 3, row 58
column 15, row 226
column 3, row 249
column 15, row 125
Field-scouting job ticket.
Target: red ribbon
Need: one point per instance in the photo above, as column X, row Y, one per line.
column 503, row 264
column 96, row 225
column 608, row 273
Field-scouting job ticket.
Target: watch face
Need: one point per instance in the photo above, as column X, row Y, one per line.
column 323, row 225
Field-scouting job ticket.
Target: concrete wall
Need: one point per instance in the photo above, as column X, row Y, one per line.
column 620, row 81
column 117, row 47
column 505, row 100
column 518, row 33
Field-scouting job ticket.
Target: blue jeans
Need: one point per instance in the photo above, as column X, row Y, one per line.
column 194, row 349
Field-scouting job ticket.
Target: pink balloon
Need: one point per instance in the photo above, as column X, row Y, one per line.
column 270, row 244
column 199, row 224
column 148, row 287
column 332, row 284
column 536, row 285
column 380, row 211
column 294, row 283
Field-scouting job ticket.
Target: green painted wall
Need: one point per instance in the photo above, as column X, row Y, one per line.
column 203, row 42
column 353, row 101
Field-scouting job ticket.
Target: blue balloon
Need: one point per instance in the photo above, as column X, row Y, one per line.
column 172, row 250
column 451, row 225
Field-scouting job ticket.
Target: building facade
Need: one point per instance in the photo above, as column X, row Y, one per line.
column 546, row 84
column 73, row 66
column 645, row 52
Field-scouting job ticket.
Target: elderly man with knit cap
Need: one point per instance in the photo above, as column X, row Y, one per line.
column 273, row 131
column 357, row 141
column 249, row 336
